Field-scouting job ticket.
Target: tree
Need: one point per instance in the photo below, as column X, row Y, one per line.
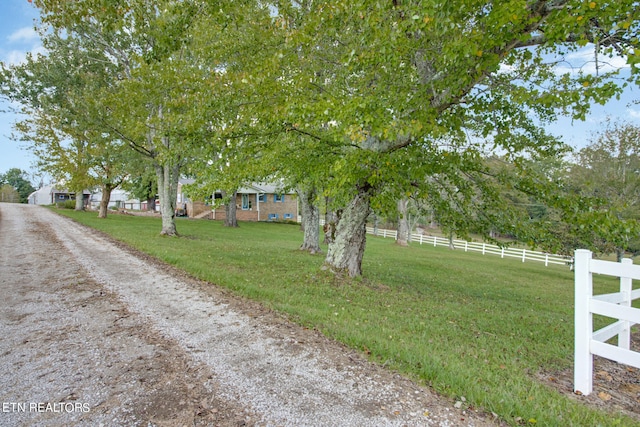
column 8, row 194
column 403, row 232
column 394, row 90
column 609, row 169
column 230, row 219
column 60, row 95
column 308, row 197
column 113, row 166
column 67, row 161
column 155, row 104
column 18, row 180
column 374, row 99
column 142, row 183
column 45, row 96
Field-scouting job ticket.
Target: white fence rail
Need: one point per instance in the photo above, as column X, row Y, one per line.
column 484, row 248
column 616, row 305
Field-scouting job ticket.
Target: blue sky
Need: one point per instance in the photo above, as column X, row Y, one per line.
column 17, row 37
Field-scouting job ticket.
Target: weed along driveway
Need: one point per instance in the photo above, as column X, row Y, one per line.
column 93, row 333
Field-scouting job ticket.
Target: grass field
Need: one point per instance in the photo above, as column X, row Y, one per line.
column 468, row 325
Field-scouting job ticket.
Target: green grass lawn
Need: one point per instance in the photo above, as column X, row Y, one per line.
column 468, row 325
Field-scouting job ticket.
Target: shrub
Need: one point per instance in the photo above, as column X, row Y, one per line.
column 67, row 204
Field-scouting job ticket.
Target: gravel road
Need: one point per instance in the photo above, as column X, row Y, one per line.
column 96, row 334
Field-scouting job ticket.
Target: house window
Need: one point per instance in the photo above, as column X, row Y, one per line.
column 262, row 197
column 278, row 198
column 60, row 196
column 273, row 217
column 288, row 216
column 245, row 202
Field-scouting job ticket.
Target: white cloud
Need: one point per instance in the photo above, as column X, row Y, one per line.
column 18, row 44
column 583, row 60
column 14, row 57
column 24, row 34
column 633, row 114
column 586, row 61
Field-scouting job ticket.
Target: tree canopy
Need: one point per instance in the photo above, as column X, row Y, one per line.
column 608, row 170
column 364, row 103
column 15, row 182
column 406, row 96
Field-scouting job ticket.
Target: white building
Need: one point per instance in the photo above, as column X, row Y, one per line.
column 41, row 196
column 120, row 199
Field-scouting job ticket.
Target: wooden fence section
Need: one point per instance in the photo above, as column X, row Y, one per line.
column 616, row 306
column 484, row 248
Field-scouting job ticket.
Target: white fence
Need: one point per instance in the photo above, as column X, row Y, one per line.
column 484, row 248
column 616, row 305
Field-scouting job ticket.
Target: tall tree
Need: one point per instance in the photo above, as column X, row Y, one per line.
column 155, row 107
column 399, row 86
column 609, row 169
column 403, row 232
column 394, row 95
column 308, row 197
column 60, row 92
column 230, row 218
column 112, row 167
column 232, row 155
column 19, row 181
column 8, row 194
column 142, row 183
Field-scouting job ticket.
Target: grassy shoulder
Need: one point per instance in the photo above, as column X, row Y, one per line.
column 468, row 325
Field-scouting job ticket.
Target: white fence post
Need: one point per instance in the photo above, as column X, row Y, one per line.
column 524, row 255
column 583, row 359
column 626, row 286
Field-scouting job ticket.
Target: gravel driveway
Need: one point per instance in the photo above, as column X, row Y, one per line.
column 93, row 333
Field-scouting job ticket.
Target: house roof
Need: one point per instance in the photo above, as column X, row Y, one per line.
column 256, row 188
column 41, row 193
column 55, row 191
column 117, row 194
column 253, row 188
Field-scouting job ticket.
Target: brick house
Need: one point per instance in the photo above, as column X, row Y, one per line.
column 255, row 202
column 262, row 202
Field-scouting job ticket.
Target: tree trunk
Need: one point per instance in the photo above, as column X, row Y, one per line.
column 346, row 251
column 151, row 204
column 451, row 245
column 412, row 221
column 79, row 200
column 403, row 224
column 375, row 224
column 231, row 219
column 168, row 176
column 104, row 201
column 310, row 220
column 330, row 220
